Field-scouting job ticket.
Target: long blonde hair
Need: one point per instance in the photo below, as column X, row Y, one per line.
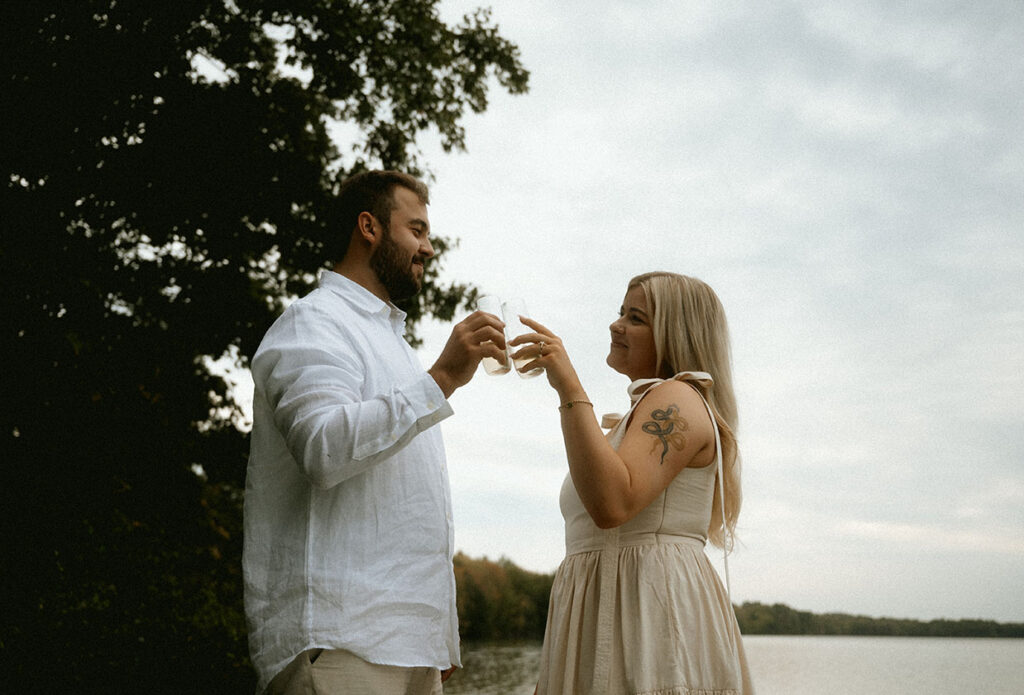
column 691, row 334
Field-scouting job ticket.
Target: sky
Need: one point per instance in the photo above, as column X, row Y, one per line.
column 849, row 177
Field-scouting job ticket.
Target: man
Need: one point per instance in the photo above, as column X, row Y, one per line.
column 349, row 585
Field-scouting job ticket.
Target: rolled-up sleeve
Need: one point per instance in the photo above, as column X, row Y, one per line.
column 334, row 423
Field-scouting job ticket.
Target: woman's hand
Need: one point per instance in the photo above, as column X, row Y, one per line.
column 546, row 350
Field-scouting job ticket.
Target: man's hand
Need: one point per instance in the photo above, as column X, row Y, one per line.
column 447, row 673
column 477, row 336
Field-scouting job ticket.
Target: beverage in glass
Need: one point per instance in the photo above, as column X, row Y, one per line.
column 492, row 305
column 511, row 310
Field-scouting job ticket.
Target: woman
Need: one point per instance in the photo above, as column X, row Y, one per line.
column 636, row 607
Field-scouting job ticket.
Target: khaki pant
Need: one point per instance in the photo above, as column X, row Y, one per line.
column 336, row 671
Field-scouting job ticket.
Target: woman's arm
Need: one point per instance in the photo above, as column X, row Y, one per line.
column 669, row 431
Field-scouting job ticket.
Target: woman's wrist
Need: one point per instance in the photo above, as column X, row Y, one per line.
column 571, row 391
column 575, row 402
column 573, row 394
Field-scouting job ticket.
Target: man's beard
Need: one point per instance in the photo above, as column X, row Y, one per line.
column 394, row 269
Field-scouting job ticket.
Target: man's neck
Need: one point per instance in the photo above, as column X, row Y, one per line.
column 364, row 277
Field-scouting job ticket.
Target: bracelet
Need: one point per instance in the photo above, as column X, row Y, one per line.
column 569, row 404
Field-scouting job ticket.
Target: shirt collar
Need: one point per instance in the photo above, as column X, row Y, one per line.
column 363, row 299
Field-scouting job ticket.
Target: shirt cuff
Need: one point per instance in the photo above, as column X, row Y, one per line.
column 428, row 401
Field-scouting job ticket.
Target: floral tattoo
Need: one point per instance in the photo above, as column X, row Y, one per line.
column 668, row 426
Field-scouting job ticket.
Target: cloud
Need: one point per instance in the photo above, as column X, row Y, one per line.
column 937, row 537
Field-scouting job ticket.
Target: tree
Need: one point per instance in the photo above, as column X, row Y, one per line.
column 168, row 178
column 780, row 619
column 500, row 601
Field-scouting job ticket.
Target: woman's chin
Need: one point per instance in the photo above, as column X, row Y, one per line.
column 613, row 362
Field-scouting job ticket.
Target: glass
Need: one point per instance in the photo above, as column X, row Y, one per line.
column 492, row 305
column 511, row 310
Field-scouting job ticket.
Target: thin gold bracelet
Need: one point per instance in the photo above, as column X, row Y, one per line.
column 569, row 404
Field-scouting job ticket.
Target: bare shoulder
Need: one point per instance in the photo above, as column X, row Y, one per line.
column 678, row 394
column 673, row 415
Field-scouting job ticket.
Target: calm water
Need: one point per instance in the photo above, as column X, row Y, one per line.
column 804, row 666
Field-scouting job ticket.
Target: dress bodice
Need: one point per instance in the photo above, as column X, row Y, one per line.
column 681, row 511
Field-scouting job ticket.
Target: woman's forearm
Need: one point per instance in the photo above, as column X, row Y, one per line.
column 600, row 476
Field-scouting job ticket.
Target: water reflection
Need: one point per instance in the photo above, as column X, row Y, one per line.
column 496, row 668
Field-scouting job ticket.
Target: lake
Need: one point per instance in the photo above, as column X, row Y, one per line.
column 798, row 665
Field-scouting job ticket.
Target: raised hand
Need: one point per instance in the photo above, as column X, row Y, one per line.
column 477, row 336
column 549, row 353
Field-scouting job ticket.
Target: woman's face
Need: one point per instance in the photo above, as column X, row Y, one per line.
column 632, row 351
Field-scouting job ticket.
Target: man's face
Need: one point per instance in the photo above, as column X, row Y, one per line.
column 404, row 246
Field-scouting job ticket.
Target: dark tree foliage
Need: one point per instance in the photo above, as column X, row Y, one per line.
column 500, row 601
column 166, row 187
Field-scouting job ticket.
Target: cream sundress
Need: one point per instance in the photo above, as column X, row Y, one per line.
column 639, row 609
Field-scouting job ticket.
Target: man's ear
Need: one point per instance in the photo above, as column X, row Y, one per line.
column 366, row 227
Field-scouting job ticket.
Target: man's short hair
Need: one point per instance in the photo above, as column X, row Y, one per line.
column 373, row 192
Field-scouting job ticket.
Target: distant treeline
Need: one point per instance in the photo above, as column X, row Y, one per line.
column 779, row 619
column 500, row 601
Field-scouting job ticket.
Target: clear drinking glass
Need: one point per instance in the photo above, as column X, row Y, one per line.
column 511, row 310
column 492, row 305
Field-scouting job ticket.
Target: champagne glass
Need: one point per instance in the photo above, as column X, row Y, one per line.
column 492, row 305
column 511, row 310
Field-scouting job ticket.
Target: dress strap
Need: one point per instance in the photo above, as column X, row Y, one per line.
column 702, row 378
column 721, row 496
column 638, row 388
column 705, row 380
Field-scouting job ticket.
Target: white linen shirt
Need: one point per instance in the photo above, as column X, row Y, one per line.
column 348, row 530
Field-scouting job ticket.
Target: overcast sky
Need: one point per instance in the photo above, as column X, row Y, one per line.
column 850, row 179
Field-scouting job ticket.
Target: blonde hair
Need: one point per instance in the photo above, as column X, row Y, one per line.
column 691, row 334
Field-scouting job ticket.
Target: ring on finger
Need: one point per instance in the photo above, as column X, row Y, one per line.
column 541, row 347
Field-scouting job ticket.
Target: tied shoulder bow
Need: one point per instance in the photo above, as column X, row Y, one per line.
column 638, row 388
